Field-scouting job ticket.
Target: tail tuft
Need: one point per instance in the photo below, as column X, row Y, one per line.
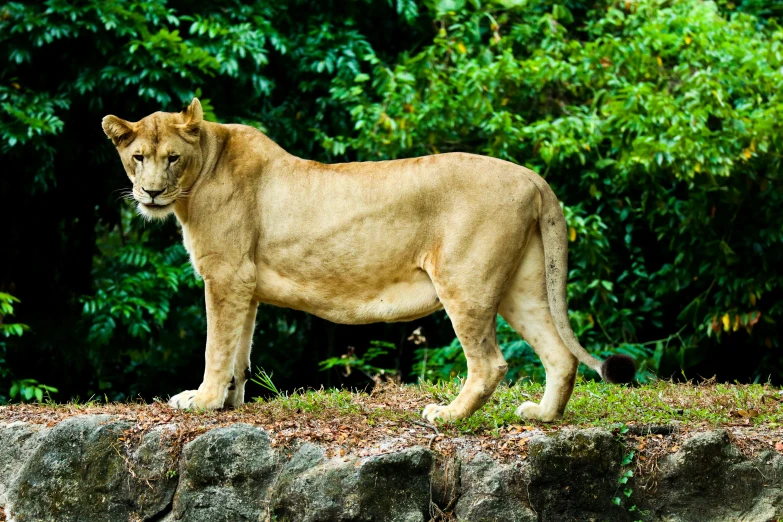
column 618, row 369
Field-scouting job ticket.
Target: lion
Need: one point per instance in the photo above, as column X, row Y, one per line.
column 358, row 243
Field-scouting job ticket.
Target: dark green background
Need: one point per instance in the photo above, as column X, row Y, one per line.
column 658, row 123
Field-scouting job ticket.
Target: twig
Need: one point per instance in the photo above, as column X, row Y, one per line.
column 430, row 426
column 427, row 425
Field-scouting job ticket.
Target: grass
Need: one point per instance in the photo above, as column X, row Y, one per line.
column 598, row 404
column 753, row 413
column 593, row 404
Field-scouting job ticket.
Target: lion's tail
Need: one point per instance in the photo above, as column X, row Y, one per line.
column 554, row 233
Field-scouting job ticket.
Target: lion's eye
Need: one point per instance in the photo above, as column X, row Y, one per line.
column 138, row 157
column 173, row 158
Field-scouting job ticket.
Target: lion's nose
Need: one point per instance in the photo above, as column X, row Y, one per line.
column 152, row 193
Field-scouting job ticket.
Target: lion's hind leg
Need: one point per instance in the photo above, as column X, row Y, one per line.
column 525, row 307
column 470, row 272
column 470, row 293
column 475, row 328
column 535, row 325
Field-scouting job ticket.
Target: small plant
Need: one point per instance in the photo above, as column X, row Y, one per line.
column 6, row 309
column 622, row 482
column 264, row 380
column 27, row 389
column 24, row 389
column 351, row 362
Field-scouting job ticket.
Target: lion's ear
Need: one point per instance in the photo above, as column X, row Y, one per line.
column 194, row 114
column 193, row 117
column 117, row 129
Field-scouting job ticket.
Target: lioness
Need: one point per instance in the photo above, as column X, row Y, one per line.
column 359, row 243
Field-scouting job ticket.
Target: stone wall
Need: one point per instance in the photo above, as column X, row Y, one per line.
column 82, row 469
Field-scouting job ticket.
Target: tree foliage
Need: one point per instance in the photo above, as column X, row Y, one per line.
column 657, row 122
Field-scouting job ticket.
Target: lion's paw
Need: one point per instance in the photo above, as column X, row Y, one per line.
column 438, row 411
column 196, row 400
column 533, row 411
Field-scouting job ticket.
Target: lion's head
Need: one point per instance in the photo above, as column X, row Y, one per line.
column 161, row 155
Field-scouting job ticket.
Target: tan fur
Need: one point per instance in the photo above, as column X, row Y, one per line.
column 358, row 243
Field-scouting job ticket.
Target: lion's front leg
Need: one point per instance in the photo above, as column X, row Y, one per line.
column 227, row 309
column 242, row 371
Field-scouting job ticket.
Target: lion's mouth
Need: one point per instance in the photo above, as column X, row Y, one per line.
column 153, row 210
column 157, row 205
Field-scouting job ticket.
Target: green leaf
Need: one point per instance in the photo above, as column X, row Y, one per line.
column 445, row 6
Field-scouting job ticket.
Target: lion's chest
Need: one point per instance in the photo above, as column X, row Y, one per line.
column 186, row 241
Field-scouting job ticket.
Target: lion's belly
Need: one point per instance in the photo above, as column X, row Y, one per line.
column 347, row 302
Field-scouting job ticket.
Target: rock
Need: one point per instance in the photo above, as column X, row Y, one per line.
column 155, row 464
column 226, row 475
column 18, row 440
column 78, row 472
column 493, row 492
column 709, row 479
column 573, row 476
column 394, row 487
